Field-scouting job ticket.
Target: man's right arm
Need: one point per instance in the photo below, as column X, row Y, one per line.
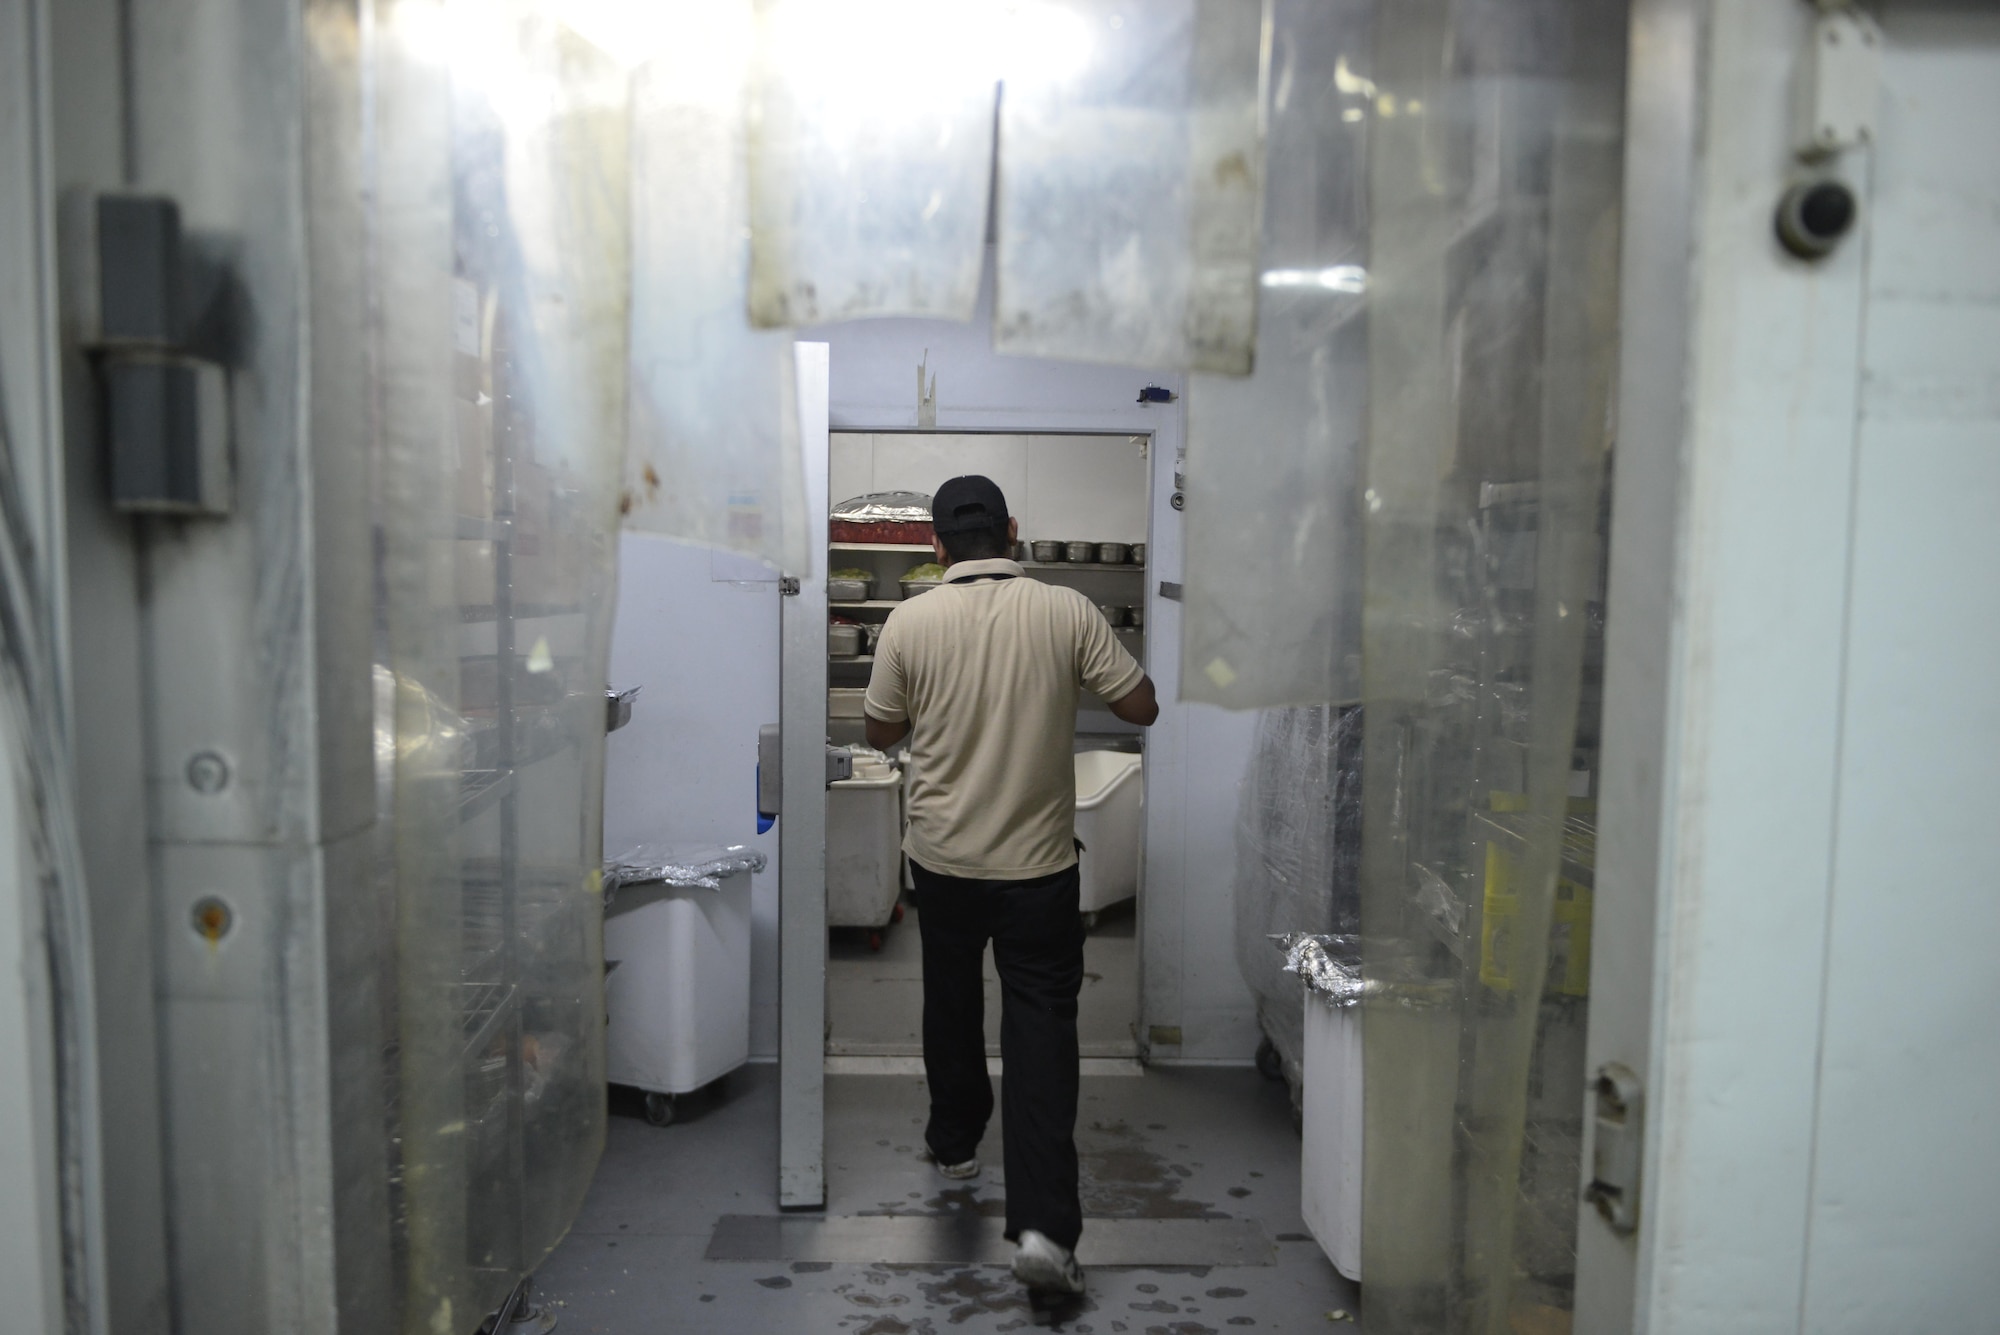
column 1138, row 705
column 1106, row 669
column 885, row 706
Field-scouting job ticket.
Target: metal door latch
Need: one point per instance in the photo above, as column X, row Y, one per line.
column 771, row 768
column 1619, row 1146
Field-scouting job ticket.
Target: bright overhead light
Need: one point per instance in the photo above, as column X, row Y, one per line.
column 1339, row 278
column 629, row 30
column 872, row 55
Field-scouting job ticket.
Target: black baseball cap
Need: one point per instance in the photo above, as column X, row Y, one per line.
column 967, row 503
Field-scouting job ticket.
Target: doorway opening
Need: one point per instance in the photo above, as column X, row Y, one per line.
column 1083, row 502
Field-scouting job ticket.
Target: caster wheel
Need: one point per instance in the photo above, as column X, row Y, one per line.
column 897, row 914
column 1269, row 1064
column 875, row 939
column 1090, row 920
column 660, row 1109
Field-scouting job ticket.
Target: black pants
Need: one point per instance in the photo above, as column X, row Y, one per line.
column 1038, row 948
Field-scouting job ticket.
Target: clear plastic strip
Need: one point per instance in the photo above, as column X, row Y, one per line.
column 713, row 455
column 1274, row 572
column 1131, row 171
column 871, row 153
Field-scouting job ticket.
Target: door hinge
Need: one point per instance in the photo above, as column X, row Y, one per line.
column 1619, row 1146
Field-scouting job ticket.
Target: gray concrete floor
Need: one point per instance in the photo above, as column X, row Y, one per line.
column 1186, row 1144
column 875, row 998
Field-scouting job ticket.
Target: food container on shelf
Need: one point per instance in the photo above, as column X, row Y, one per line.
column 1114, row 553
column 1135, row 616
column 1047, row 552
column 900, row 518
column 1138, row 554
column 921, row 579
column 845, row 701
column 843, row 639
column 871, row 635
column 1083, row 553
column 848, row 589
column 1018, row 552
column 1115, row 615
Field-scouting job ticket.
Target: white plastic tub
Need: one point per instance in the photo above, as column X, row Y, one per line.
column 678, row 1000
column 864, row 847
column 1108, row 789
column 1330, row 1161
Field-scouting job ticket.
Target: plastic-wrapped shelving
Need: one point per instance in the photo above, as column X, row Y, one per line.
column 1298, row 850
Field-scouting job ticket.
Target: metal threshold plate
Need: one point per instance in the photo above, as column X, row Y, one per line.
column 968, row 1239
column 913, row 1064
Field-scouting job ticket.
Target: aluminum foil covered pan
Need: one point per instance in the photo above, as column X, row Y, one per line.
column 886, row 507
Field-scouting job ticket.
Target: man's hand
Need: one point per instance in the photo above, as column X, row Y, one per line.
column 882, row 735
column 1137, row 705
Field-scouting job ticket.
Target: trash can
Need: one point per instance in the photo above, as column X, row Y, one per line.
column 677, row 969
column 1331, row 1153
column 1330, row 1162
column 864, row 846
column 1108, row 804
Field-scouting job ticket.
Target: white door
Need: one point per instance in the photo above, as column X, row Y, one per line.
column 700, row 632
column 1796, row 912
column 802, row 826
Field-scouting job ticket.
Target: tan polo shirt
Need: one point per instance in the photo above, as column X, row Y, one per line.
column 987, row 672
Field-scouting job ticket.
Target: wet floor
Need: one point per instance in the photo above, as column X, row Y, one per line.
column 875, row 998
column 1198, row 1166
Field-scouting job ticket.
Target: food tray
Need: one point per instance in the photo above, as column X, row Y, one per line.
column 849, row 590
column 895, row 532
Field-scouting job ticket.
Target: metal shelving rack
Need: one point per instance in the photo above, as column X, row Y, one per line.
column 491, row 1062
column 889, row 559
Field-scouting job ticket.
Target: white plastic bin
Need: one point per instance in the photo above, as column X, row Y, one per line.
column 1108, row 789
column 677, row 987
column 864, row 846
column 1330, row 1160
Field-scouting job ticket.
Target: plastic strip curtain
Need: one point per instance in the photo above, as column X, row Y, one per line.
column 1495, row 166
column 1273, row 583
column 498, row 217
column 1131, row 170
column 871, row 153
column 714, row 448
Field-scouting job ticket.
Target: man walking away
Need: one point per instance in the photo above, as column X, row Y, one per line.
column 982, row 675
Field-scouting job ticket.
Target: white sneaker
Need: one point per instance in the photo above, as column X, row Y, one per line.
column 1046, row 1266
column 958, row 1172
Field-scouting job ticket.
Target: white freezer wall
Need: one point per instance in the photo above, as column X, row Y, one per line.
column 1822, row 1153
column 1906, row 1164
column 698, row 631
column 1195, row 1005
